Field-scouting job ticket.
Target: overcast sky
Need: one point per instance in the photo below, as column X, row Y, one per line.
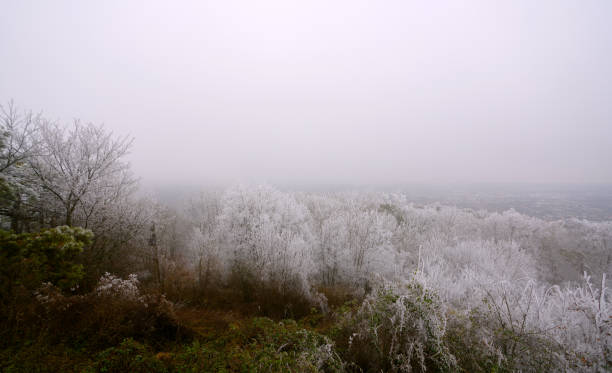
column 326, row 92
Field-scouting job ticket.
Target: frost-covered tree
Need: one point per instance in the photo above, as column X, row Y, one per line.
column 205, row 249
column 17, row 145
column 359, row 245
column 264, row 233
column 80, row 169
column 352, row 239
column 203, row 244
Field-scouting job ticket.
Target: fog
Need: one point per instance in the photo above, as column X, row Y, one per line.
column 326, row 92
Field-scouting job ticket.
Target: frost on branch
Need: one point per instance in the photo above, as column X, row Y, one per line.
column 264, row 233
column 399, row 329
column 113, row 286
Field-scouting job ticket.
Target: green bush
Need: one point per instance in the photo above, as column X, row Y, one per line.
column 261, row 346
column 41, row 357
column 29, row 259
column 129, row 356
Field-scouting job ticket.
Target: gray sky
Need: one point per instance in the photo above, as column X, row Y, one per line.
column 326, row 91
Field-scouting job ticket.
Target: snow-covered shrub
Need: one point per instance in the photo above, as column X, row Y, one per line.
column 580, row 319
column 525, row 326
column 113, row 286
column 511, row 316
column 398, row 329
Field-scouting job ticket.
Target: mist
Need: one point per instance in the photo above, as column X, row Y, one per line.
column 306, row 186
column 321, row 92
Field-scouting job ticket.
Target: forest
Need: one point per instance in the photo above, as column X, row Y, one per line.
column 99, row 277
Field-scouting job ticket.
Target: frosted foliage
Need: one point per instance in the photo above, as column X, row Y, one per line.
column 354, row 244
column 581, row 318
column 522, row 275
column 578, row 320
column 81, row 169
column 205, row 250
column 266, row 230
column 400, row 333
column 111, row 285
column 462, row 272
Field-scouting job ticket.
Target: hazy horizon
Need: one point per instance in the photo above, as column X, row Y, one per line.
column 320, row 93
